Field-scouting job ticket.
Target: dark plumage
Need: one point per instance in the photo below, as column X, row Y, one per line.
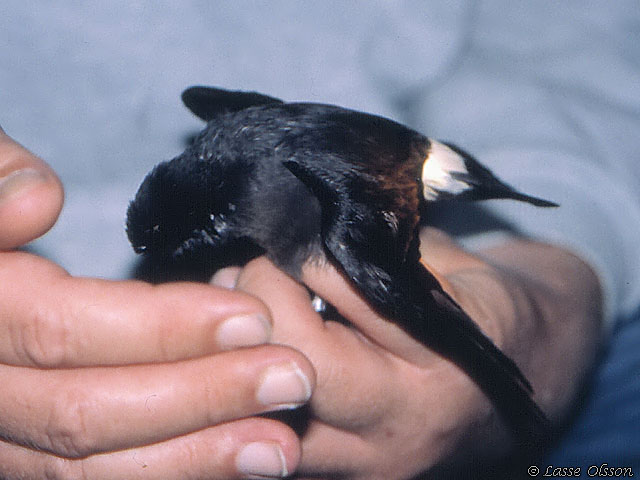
column 299, row 181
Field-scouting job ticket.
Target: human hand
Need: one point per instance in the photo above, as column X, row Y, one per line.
column 112, row 380
column 385, row 406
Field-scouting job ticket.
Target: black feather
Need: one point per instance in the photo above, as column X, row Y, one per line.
column 207, row 102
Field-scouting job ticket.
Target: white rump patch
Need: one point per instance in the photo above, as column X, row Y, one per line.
column 437, row 168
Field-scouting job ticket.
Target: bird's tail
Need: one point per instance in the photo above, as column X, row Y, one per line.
column 449, row 172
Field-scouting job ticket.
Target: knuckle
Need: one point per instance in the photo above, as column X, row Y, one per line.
column 45, row 340
column 66, row 432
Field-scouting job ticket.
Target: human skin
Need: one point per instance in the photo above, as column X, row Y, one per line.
column 387, row 407
column 118, row 380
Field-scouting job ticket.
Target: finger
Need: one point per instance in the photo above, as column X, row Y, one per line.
column 262, row 279
column 359, row 385
column 333, row 287
column 31, row 195
column 80, row 412
column 344, row 360
column 443, row 256
column 254, row 446
column 226, row 277
column 50, row 319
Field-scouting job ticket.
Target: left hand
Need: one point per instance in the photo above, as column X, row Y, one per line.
column 387, row 407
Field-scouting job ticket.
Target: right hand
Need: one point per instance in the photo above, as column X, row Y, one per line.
column 110, row 380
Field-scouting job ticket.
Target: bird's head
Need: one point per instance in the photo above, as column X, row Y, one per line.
column 182, row 206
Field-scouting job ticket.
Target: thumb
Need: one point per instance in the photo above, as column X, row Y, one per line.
column 31, row 195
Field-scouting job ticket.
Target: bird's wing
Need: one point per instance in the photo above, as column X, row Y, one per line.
column 364, row 235
column 209, row 102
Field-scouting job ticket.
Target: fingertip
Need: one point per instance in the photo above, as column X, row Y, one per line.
column 287, row 299
column 261, row 270
column 264, row 280
column 275, row 453
column 31, row 195
column 244, row 330
column 262, row 459
column 226, row 277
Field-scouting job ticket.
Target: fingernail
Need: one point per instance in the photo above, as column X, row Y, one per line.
column 243, row 331
column 19, row 182
column 262, row 460
column 284, row 387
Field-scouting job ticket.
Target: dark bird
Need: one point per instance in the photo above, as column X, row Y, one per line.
column 300, row 181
